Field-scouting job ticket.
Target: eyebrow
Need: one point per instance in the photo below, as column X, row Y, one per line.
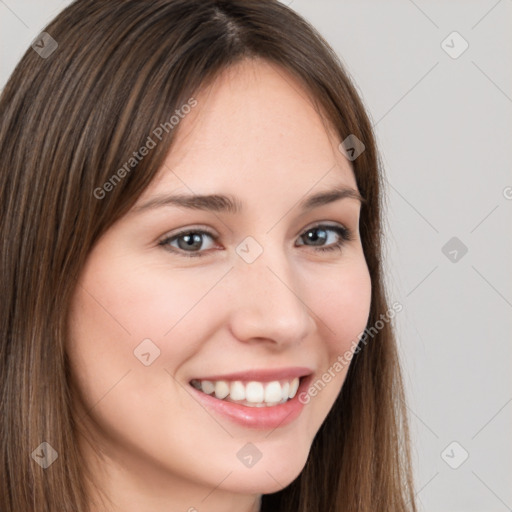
column 231, row 204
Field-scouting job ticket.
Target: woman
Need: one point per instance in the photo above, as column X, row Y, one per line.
column 194, row 316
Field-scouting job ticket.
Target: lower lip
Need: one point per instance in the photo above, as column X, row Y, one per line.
column 256, row 417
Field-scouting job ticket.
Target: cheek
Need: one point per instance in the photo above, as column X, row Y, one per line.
column 342, row 305
column 115, row 309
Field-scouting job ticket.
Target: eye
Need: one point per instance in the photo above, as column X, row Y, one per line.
column 326, row 238
column 190, row 242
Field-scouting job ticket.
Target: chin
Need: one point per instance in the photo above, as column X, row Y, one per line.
column 270, row 476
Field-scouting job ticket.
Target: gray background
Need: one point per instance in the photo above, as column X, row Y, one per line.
column 444, row 128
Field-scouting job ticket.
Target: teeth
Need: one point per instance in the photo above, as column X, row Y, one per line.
column 208, row 387
column 285, row 389
column 253, row 394
column 221, row 389
column 273, row 392
column 294, row 385
column 237, row 391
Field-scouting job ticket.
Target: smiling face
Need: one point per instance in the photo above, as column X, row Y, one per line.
column 251, row 297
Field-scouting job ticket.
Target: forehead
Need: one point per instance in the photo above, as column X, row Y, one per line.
column 254, row 125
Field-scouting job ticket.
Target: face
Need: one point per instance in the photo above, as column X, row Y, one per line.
column 182, row 303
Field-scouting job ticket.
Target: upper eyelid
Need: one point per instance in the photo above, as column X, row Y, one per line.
column 189, row 230
column 193, row 229
column 324, row 223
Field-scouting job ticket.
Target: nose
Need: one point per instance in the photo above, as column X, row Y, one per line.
column 267, row 302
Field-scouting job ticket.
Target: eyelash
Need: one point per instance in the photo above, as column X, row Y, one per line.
column 344, row 233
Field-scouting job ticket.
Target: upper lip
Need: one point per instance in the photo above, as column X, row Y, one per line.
column 263, row 375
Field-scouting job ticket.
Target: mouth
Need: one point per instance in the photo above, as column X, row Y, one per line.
column 265, row 399
column 250, row 393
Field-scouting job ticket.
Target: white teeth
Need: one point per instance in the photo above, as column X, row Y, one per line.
column 293, row 387
column 253, row 394
column 237, row 391
column 285, row 389
column 207, row 386
column 273, row 391
column 221, row 389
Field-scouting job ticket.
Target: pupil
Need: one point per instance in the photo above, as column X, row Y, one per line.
column 313, row 235
column 192, row 240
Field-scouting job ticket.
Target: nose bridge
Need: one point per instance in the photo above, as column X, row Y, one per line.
column 267, row 302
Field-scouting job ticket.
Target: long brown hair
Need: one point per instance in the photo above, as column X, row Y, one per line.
column 70, row 119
